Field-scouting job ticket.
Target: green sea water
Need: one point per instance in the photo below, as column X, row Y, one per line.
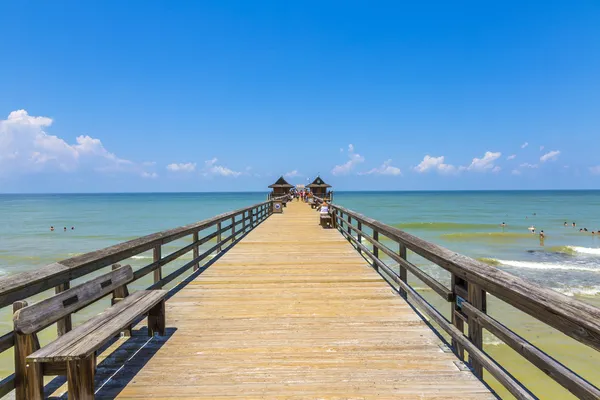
column 467, row 222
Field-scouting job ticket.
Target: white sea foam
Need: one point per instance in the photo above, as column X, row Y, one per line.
column 142, row 257
column 585, row 250
column 547, row 265
column 579, row 291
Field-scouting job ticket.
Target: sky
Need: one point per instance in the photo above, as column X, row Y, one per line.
column 152, row 96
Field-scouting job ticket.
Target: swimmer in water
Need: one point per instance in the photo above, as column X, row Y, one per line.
column 565, row 223
column 51, row 229
column 542, row 235
column 72, row 228
column 65, row 229
column 532, row 229
column 573, row 224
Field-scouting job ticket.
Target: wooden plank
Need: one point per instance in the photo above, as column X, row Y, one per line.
column 40, row 315
column 557, row 371
column 292, row 311
column 573, row 317
column 89, row 336
column 6, row 341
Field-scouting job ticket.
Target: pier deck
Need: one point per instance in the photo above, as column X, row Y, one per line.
column 292, row 311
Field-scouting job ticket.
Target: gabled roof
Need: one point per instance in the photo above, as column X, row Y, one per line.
column 318, row 183
column 281, row 183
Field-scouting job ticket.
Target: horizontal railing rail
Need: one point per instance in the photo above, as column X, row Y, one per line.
column 470, row 281
column 230, row 226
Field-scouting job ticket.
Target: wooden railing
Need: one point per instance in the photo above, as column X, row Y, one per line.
column 229, row 227
column 471, row 281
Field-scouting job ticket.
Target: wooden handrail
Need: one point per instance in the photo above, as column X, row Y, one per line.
column 25, row 284
column 22, row 285
column 570, row 316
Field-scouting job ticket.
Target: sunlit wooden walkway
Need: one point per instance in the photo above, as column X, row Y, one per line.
column 292, row 311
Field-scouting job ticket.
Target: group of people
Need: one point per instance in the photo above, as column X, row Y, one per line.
column 583, row 229
column 302, row 195
column 64, row 229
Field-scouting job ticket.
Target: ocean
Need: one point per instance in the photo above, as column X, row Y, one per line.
column 467, row 222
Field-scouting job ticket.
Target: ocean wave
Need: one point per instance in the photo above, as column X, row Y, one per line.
column 585, row 250
column 441, row 226
column 142, row 257
column 585, row 291
column 488, row 236
column 547, row 265
column 490, row 261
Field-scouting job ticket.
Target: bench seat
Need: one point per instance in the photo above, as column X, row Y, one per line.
column 326, row 219
column 85, row 339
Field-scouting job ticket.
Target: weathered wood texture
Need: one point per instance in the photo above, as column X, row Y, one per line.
column 293, row 311
column 89, row 336
column 37, row 316
column 572, row 317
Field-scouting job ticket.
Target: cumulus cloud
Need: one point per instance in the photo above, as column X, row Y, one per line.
column 292, row 174
column 511, row 157
column 485, row 163
column 211, row 168
column 182, row 167
column 496, row 169
column 524, row 145
column 385, row 169
column 434, row 163
column 26, row 147
column 354, row 159
column 515, row 172
column 550, row 156
column 527, row 165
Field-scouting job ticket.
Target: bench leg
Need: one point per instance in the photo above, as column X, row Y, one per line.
column 35, row 381
column 80, row 376
column 156, row 319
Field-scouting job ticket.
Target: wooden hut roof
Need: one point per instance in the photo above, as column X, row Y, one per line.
column 318, row 183
column 281, row 183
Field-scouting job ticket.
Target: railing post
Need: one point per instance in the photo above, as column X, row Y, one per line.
column 63, row 325
column 456, row 320
column 348, row 227
column 233, row 229
column 244, row 222
column 156, row 257
column 359, row 236
column 196, row 250
column 219, row 237
column 375, row 249
column 477, row 299
column 402, row 270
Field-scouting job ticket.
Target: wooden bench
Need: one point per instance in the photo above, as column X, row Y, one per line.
column 74, row 353
column 326, row 220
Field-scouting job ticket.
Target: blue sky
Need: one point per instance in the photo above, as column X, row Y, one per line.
column 228, row 95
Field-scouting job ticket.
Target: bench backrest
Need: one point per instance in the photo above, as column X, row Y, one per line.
column 38, row 316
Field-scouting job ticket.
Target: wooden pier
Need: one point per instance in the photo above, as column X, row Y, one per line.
column 293, row 311
column 278, row 307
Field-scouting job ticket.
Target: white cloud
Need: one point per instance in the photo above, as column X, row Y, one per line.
column 541, row 148
column 354, row 159
column 485, row 163
column 212, row 169
column 434, row 163
column 26, row 147
column 550, row 156
column 149, row 175
column 149, row 163
column 515, row 172
column 292, row 174
column 594, row 170
column 524, row 145
column 496, row 169
column 527, row 165
column 511, row 157
column 182, row 167
column 385, row 169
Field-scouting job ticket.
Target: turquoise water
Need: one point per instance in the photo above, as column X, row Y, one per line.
column 466, row 222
